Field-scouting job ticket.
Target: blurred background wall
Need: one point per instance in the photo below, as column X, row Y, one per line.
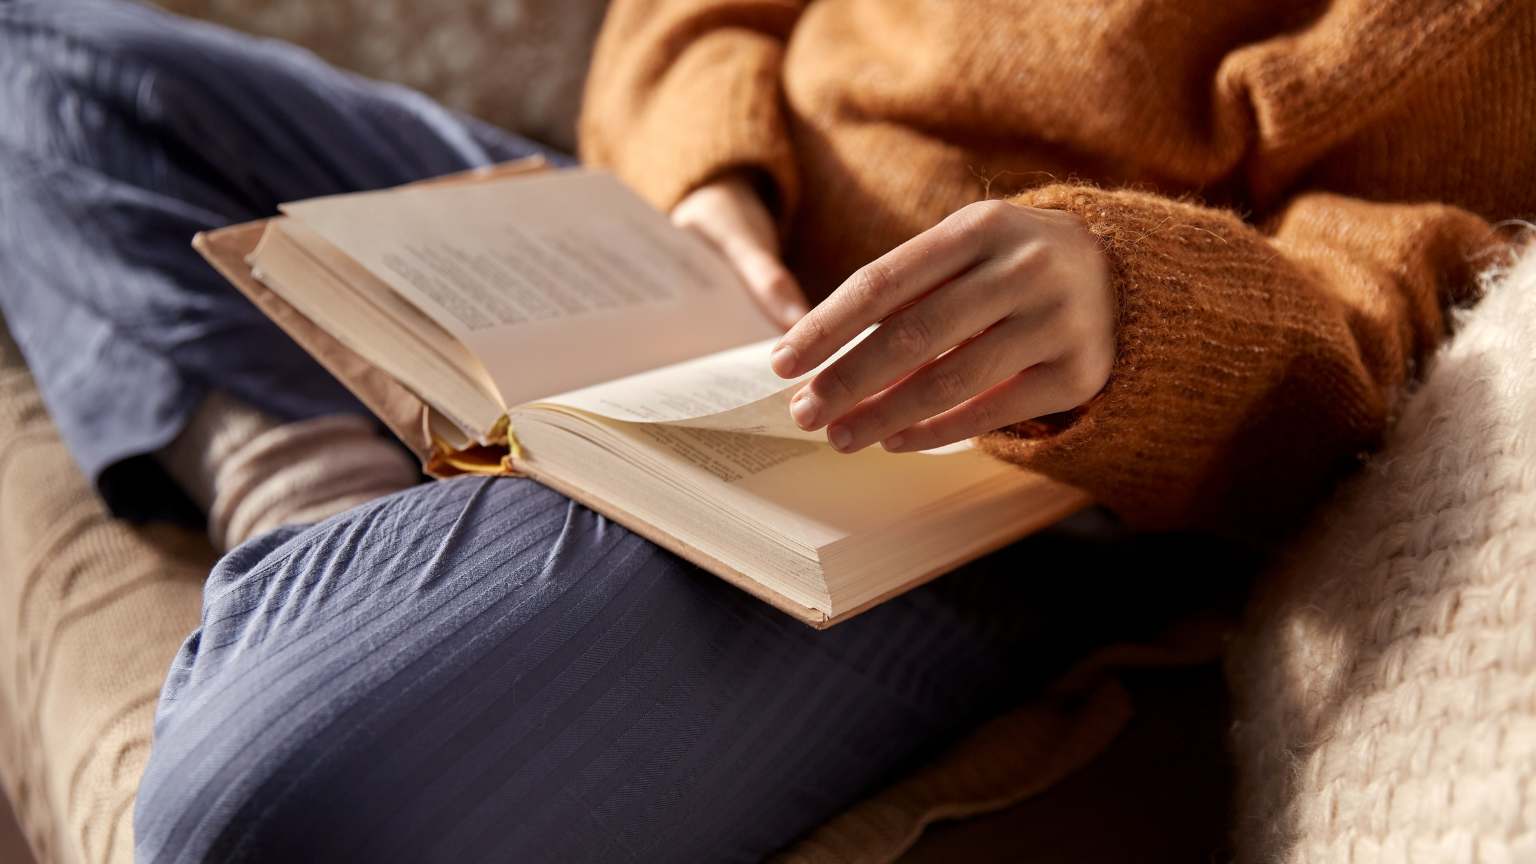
column 519, row 64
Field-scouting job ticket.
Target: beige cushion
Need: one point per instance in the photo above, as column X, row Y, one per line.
column 1386, row 681
column 91, row 612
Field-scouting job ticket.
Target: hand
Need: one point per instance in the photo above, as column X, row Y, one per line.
column 731, row 216
column 996, row 315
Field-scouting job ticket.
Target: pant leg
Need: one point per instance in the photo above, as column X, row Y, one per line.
column 123, row 132
column 481, row 670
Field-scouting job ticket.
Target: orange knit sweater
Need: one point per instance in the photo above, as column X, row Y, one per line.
column 1290, row 194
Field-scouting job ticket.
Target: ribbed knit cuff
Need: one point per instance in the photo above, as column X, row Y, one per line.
column 251, row 473
column 303, row 472
column 1234, row 385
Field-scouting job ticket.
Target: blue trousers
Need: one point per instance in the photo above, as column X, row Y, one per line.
column 476, row 670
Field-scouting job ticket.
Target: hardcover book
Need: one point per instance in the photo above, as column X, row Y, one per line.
column 551, row 324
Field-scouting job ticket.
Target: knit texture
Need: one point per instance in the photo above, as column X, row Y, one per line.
column 1271, row 313
column 93, row 611
column 1386, row 682
column 251, row 474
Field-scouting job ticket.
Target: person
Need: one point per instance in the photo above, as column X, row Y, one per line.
column 1040, row 205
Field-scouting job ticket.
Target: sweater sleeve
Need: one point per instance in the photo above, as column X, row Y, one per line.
column 682, row 91
column 1253, row 365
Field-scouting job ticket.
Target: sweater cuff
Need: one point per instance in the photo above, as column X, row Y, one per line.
column 1200, row 365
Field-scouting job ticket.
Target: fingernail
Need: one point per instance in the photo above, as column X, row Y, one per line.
column 840, row 437
column 782, row 361
column 893, row 442
column 804, row 408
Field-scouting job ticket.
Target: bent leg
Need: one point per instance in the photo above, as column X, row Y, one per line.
column 125, row 132
column 481, row 670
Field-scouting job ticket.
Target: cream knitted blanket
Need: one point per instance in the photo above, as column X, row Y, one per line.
column 1386, row 681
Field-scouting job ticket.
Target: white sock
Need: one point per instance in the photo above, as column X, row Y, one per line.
column 252, row 474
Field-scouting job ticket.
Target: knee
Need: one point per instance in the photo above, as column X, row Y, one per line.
column 307, row 676
column 196, row 792
column 216, row 775
column 64, row 74
column 243, row 709
column 99, row 59
column 348, row 671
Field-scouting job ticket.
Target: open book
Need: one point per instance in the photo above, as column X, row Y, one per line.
column 552, row 324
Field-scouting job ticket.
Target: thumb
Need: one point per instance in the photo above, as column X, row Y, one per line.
column 768, row 281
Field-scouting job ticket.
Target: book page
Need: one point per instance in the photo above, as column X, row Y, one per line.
column 555, row 281
column 730, row 391
column 363, row 285
column 733, row 390
column 728, row 456
column 337, row 306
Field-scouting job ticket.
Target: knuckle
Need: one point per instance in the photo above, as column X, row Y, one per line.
column 872, row 422
column 1067, row 320
column 813, row 331
column 911, row 335
column 780, row 286
column 948, row 386
column 833, row 382
column 872, row 280
column 1034, row 256
column 686, row 213
column 1065, row 316
column 985, row 416
column 991, row 213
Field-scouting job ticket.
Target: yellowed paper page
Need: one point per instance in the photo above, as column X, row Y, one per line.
column 555, row 281
column 731, row 391
column 729, row 456
column 372, row 290
column 827, row 496
column 318, row 294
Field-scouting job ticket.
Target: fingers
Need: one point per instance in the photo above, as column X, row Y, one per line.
column 997, row 315
column 881, row 287
column 768, row 281
column 906, row 340
column 729, row 214
column 992, row 357
column 1034, row 392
